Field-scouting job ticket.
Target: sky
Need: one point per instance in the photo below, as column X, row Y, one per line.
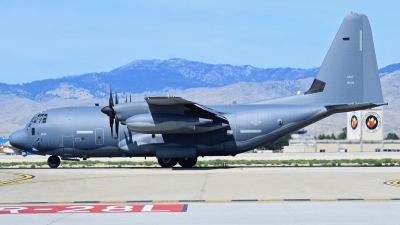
column 51, row 39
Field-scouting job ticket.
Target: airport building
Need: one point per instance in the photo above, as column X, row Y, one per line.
column 364, row 134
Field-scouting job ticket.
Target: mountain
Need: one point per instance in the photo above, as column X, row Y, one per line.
column 388, row 69
column 200, row 82
column 149, row 76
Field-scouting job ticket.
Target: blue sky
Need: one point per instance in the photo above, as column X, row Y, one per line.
column 51, row 39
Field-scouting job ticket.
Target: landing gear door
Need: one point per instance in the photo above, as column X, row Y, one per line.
column 68, row 144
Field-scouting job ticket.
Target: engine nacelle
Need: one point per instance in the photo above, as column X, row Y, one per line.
column 162, row 123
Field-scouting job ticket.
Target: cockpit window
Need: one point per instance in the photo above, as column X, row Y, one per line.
column 39, row 118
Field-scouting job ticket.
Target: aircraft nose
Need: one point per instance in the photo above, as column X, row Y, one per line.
column 19, row 139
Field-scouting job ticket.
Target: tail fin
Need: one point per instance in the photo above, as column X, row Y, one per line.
column 349, row 73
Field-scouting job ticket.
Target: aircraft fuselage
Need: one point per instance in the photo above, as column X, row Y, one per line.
column 85, row 131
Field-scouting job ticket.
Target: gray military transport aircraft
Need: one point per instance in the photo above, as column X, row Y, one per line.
column 176, row 130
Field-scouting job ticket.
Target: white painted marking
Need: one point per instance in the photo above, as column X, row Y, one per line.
column 361, row 39
column 44, row 209
column 12, row 209
column 84, row 132
column 249, row 131
column 149, row 208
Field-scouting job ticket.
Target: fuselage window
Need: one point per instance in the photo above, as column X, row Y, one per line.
column 33, row 131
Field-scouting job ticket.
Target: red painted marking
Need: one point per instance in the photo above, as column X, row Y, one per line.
column 91, row 209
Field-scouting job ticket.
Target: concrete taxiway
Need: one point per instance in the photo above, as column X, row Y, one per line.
column 129, row 184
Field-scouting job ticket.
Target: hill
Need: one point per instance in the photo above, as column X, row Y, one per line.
column 149, row 76
column 200, row 82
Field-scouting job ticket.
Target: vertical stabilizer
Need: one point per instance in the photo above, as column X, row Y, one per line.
column 349, row 73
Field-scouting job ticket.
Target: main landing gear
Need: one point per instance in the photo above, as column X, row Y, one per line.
column 53, row 161
column 187, row 162
column 169, row 163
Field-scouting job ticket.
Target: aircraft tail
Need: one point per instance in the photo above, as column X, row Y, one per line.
column 349, row 73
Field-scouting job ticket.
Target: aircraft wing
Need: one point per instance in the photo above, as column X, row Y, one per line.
column 190, row 108
column 167, row 101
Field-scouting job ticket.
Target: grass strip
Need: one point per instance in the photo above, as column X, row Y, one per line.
column 215, row 163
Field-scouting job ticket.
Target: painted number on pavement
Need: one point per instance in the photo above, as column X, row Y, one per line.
column 92, row 208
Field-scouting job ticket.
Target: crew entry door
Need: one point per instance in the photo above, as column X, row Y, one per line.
column 68, row 144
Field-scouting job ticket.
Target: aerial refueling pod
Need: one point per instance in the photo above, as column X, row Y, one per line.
column 163, row 122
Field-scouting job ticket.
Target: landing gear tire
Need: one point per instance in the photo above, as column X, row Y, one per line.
column 53, row 161
column 187, row 162
column 167, row 162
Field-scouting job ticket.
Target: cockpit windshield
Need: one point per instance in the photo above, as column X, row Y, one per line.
column 39, row 118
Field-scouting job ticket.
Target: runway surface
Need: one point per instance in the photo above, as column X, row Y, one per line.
column 234, row 213
column 292, row 195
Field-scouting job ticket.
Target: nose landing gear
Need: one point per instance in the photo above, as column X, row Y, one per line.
column 53, row 161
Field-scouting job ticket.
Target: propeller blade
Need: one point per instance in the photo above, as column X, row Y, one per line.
column 126, row 98
column 116, row 98
column 111, row 117
column 110, row 100
column 130, row 98
column 116, row 126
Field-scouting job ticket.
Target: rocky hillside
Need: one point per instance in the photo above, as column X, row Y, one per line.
column 207, row 84
column 149, row 76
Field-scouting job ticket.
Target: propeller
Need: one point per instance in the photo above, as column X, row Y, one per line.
column 109, row 111
column 130, row 98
